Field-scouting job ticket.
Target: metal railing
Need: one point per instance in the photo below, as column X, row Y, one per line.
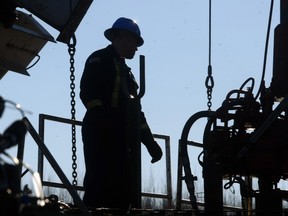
column 168, row 195
column 44, row 117
column 44, row 150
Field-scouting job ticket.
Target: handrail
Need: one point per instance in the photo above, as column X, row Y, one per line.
column 55, row 166
column 142, row 76
column 168, row 196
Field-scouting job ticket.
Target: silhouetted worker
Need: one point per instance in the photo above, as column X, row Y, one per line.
column 107, row 88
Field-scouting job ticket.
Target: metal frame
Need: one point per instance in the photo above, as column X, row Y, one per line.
column 44, row 117
column 56, row 167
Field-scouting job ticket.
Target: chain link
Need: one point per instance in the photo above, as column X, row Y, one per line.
column 71, row 51
column 209, row 83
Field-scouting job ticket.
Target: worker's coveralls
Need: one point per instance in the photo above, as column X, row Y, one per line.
column 105, row 129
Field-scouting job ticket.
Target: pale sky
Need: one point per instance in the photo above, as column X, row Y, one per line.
column 176, row 51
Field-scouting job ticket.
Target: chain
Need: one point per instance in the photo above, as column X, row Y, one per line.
column 209, row 83
column 71, row 51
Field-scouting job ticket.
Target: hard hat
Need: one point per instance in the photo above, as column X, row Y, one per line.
column 124, row 24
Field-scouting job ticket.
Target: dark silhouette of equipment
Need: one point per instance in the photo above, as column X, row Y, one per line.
column 22, row 37
column 246, row 137
column 12, row 135
column 10, row 175
column 280, row 66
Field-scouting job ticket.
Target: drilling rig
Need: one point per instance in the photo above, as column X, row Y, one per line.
column 246, row 138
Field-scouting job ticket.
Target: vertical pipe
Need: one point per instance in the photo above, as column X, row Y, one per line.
column 135, row 142
column 168, row 172
column 40, row 154
column 179, row 178
column 142, row 76
column 212, row 175
column 213, row 199
column 283, row 11
column 280, row 55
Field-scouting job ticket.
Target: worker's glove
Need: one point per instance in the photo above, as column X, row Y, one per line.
column 154, row 151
